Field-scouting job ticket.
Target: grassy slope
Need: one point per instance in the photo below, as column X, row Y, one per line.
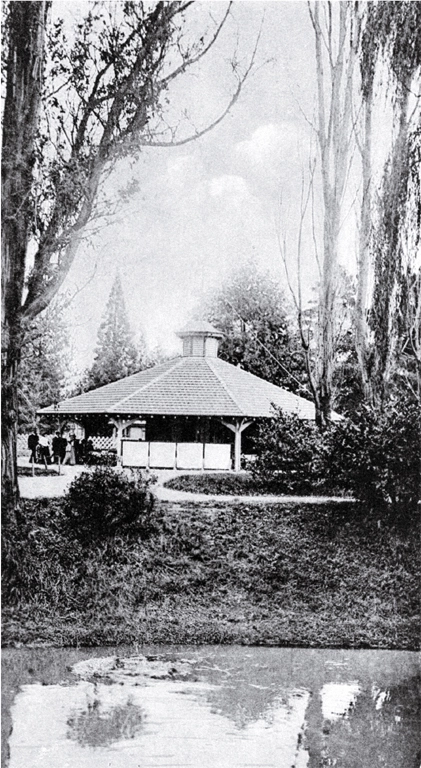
column 284, row 574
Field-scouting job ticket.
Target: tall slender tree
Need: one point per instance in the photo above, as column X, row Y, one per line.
column 116, row 355
column 391, row 44
column 336, row 32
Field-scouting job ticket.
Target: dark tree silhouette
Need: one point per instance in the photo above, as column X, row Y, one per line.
column 116, row 355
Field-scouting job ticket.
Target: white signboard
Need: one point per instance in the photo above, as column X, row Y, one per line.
column 162, row 455
column 134, row 453
column 217, row 456
column 189, row 455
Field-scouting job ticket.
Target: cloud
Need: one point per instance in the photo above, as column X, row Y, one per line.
column 233, row 187
column 182, row 171
column 263, row 146
column 273, row 144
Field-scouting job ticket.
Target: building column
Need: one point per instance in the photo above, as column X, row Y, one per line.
column 238, row 427
column 119, row 426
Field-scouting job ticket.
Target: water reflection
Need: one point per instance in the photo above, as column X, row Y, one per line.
column 242, row 707
column 97, row 726
column 380, row 728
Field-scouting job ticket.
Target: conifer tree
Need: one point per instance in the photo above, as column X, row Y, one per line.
column 44, row 363
column 116, row 354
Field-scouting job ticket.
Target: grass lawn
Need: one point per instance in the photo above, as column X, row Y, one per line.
column 276, row 574
column 216, row 483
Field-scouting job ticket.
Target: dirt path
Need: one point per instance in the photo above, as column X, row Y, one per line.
column 54, row 485
column 169, row 494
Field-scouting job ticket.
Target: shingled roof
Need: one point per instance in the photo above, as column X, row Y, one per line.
column 197, row 384
column 187, row 386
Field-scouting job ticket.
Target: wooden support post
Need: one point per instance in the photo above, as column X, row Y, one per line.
column 237, row 446
column 237, row 427
column 120, row 425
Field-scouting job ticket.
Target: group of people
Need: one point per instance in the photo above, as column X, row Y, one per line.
column 63, row 450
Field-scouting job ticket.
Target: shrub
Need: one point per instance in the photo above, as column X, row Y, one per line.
column 105, row 458
column 103, row 502
column 286, row 451
column 376, row 456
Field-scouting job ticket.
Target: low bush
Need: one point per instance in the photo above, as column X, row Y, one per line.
column 287, row 451
column 376, row 456
column 105, row 458
column 103, row 502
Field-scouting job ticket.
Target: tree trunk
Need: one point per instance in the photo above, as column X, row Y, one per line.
column 388, row 256
column 334, row 77
column 10, row 362
column 362, row 298
column 20, row 126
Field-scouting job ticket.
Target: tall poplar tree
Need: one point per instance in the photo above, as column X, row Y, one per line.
column 116, row 355
column 336, row 34
column 391, row 50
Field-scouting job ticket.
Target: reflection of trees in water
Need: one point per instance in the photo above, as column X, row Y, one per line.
column 244, row 704
column 379, row 733
column 96, row 728
column 244, row 689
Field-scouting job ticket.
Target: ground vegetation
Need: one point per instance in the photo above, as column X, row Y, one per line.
column 278, row 574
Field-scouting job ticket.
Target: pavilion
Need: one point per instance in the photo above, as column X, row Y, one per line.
column 187, row 413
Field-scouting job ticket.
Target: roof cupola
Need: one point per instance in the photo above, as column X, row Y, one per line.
column 200, row 339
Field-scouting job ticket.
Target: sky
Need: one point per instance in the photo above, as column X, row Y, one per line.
column 205, row 207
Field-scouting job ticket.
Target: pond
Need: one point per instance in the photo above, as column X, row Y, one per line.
column 210, row 707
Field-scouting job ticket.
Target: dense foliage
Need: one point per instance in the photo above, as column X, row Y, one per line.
column 278, row 574
column 287, row 451
column 376, row 456
column 103, row 502
column 255, row 317
column 44, row 365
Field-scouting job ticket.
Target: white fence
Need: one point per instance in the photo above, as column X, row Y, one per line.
column 103, row 443
column 136, row 453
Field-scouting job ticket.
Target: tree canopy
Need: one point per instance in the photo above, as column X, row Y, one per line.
column 44, row 365
column 255, row 317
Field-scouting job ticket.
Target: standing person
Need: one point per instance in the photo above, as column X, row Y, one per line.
column 70, row 455
column 63, row 445
column 32, row 445
column 72, row 439
column 66, row 458
column 57, row 448
column 44, row 450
